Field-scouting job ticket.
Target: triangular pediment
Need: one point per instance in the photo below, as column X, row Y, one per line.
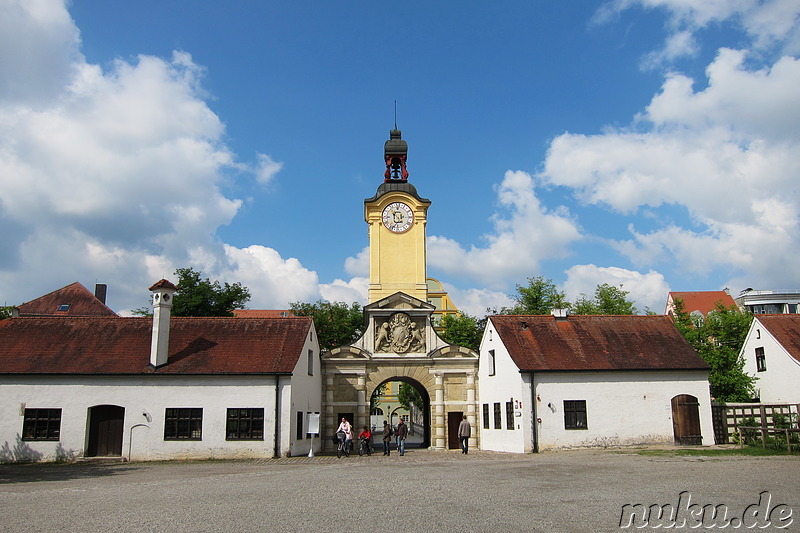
column 398, row 300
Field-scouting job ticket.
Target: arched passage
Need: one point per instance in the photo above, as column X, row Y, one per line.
column 386, row 396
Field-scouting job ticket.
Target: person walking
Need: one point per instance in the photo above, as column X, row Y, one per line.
column 402, row 433
column 464, row 431
column 387, row 437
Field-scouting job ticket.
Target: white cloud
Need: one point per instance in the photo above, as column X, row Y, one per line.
column 727, row 154
column 267, row 168
column 767, row 23
column 358, row 265
column 476, row 302
column 647, row 291
column 355, row 290
column 273, row 281
column 114, row 175
column 525, row 234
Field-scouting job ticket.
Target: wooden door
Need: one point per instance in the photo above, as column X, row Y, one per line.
column 105, row 431
column 686, row 420
column 453, row 421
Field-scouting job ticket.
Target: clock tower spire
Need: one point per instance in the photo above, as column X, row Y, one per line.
column 396, row 216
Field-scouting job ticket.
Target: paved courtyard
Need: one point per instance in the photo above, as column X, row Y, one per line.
column 423, row 491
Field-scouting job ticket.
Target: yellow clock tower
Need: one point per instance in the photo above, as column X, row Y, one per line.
column 396, row 216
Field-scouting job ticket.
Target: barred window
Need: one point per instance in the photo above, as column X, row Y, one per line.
column 183, row 423
column 41, row 424
column 486, row 416
column 509, row 415
column 575, row 414
column 245, row 424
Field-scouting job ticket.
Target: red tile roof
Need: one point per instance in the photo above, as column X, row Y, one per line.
column 703, row 301
column 786, row 330
column 122, row 345
column 80, row 300
column 593, row 342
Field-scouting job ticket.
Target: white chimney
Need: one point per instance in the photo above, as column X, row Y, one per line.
column 560, row 314
column 162, row 306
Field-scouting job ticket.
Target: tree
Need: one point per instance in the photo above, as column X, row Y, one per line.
column 203, row 297
column 607, row 300
column 337, row 323
column 5, row 312
column 540, row 297
column 462, row 330
column 408, row 395
column 718, row 338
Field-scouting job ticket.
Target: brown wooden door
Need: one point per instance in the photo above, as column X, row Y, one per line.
column 453, row 421
column 686, row 420
column 105, row 430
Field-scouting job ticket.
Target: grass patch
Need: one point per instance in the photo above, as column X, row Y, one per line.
column 748, row 451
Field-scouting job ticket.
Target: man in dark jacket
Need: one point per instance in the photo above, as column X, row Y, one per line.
column 402, row 433
column 464, row 431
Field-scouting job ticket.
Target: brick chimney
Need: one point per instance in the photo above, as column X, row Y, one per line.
column 162, row 307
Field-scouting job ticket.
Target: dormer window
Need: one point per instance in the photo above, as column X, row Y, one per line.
column 63, row 308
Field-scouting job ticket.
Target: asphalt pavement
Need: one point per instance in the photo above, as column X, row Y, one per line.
column 580, row 490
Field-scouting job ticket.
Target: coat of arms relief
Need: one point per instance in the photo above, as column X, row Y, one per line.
column 399, row 334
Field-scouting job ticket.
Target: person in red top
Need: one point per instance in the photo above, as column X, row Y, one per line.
column 366, row 437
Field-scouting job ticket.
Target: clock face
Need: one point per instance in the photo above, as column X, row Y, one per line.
column 398, row 217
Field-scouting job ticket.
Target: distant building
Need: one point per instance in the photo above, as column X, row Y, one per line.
column 698, row 302
column 770, row 302
column 441, row 301
column 72, row 301
column 263, row 313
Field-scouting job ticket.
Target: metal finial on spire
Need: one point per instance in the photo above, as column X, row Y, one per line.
column 395, row 114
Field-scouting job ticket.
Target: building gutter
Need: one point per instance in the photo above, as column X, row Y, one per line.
column 534, row 416
column 277, row 450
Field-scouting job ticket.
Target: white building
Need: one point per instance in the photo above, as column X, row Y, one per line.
column 771, row 353
column 161, row 388
column 769, row 302
column 555, row 382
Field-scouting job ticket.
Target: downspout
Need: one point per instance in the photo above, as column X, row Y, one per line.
column 277, row 451
column 535, row 420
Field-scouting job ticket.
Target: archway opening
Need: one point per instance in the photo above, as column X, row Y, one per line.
column 402, row 398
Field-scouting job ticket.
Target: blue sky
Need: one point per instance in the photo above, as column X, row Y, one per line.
column 645, row 143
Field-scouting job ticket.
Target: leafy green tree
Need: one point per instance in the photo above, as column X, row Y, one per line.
column 407, row 395
column 462, row 330
column 5, row 312
column 607, row 300
column 203, row 297
column 718, row 338
column 337, row 323
column 540, row 297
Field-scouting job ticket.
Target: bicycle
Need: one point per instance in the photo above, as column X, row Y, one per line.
column 342, row 447
column 365, row 447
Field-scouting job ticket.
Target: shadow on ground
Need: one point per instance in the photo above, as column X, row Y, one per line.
column 36, row 472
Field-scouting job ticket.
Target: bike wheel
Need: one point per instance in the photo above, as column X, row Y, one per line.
column 361, row 450
column 339, row 451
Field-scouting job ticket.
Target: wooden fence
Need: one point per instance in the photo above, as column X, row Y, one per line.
column 728, row 417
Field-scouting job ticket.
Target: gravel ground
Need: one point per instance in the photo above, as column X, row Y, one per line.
column 582, row 490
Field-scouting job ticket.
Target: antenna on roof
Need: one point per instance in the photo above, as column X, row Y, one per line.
column 395, row 114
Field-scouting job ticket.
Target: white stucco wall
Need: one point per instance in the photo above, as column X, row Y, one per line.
column 623, row 407
column 306, row 397
column 779, row 382
column 506, row 385
column 145, row 399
